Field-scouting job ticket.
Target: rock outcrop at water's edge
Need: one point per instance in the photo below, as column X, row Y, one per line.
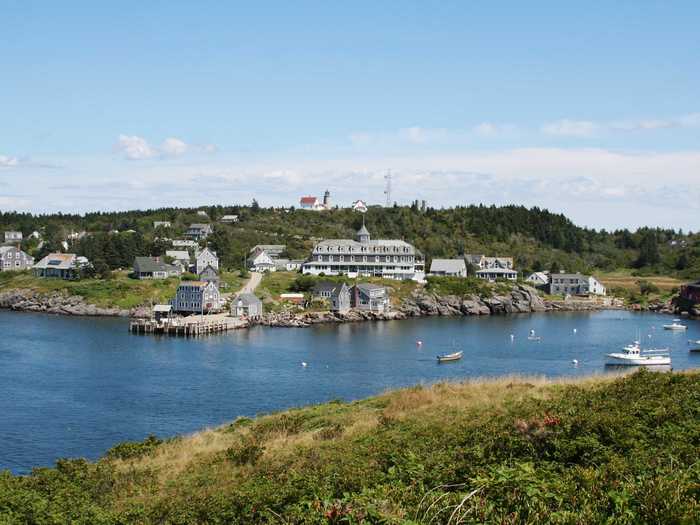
column 61, row 304
column 521, row 299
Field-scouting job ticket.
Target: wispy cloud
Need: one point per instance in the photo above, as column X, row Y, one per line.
column 421, row 135
column 8, row 162
column 588, row 128
column 571, row 128
column 490, row 129
column 134, row 147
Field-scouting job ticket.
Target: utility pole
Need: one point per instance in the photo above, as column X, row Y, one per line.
column 387, row 189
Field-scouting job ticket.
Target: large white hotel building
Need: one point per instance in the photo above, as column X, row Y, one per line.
column 393, row 259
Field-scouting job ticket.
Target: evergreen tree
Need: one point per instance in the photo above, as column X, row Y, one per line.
column 648, row 250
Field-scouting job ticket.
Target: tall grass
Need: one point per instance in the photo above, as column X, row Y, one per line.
column 505, row 450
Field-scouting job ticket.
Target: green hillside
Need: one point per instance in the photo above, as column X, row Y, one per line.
column 538, row 239
column 511, row 450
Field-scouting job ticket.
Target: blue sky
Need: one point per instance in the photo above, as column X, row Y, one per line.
column 591, row 109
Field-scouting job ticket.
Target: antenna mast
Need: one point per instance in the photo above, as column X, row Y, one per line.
column 387, row 188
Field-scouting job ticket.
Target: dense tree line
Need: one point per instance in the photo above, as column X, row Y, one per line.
column 537, row 238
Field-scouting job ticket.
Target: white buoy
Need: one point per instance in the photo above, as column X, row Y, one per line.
column 303, row 363
column 575, row 330
column 575, row 362
column 512, row 337
column 419, row 342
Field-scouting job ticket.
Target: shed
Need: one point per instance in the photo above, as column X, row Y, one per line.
column 246, row 305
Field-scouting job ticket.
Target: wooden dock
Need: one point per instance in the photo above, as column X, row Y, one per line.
column 187, row 327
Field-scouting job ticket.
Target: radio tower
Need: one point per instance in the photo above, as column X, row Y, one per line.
column 387, row 188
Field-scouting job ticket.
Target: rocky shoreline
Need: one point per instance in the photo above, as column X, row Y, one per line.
column 61, row 304
column 521, row 299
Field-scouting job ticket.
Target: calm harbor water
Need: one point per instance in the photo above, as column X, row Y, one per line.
column 73, row 387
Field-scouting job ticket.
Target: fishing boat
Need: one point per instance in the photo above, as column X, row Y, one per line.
column 455, row 356
column 691, row 342
column 696, row 345
column 633, row 355
column 533, row 336
column 676, row 325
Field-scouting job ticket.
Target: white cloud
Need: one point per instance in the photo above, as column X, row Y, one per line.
column 8, row 162
column 135, row 148
column 173, row 147
column 571, row 128
column 138, row 148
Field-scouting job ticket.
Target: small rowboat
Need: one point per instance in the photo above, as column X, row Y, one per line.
column 456, row 356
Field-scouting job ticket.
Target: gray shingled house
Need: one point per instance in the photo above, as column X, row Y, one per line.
column 369, row 297
column 568, row 283
column 246, row 305
column 338, row 295
column 448, row 267
column 154, row 268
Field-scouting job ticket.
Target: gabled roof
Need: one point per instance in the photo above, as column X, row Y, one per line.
column 162, row 307
column 209, row 268
column 448, row 265
column 268, row 247
column 149, row 265
column 246, row 299
column 328, row 286
column 178, row 254
column 308, row 200
column 569, row 276
column 497, row 270
column 198, row 284
column 207, row 250
column 199, row 226
column 369, row 287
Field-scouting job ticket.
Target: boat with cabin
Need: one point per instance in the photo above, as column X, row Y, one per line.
column 676, row 325
column 633, row 355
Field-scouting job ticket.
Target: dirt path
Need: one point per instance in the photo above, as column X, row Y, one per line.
column 252, row 283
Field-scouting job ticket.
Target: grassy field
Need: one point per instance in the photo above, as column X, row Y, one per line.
column 625, row 280
column 275, row 283
column 509, row 450
column 120, row 291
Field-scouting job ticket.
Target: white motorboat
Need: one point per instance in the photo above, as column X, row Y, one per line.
column 633, row 355
column 676, row 325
